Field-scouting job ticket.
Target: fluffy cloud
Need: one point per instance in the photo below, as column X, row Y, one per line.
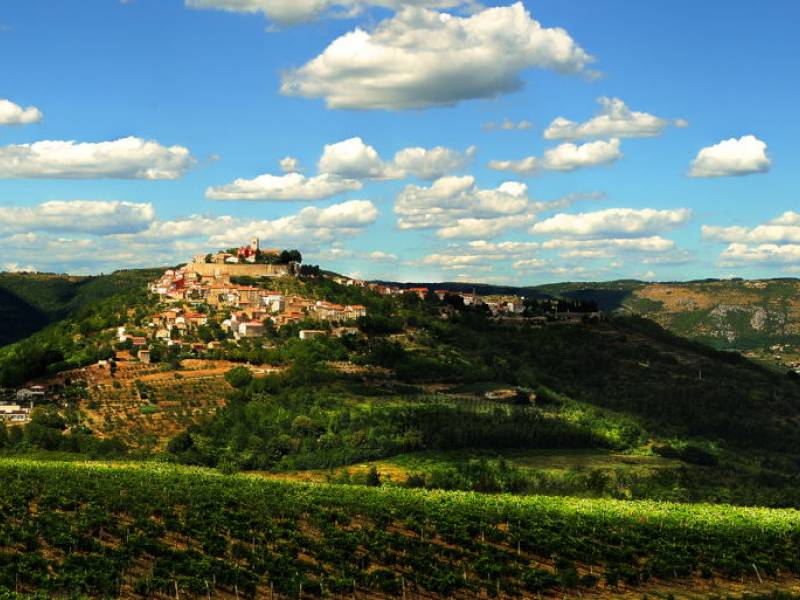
column 784, row 229
column 508, row 125
column 613, row 222
column 564, row 157
column 433, row 163
column 194, row 226
column 455, row 261
column 378, row 256
column 125, row 158
column 285, row 12
column 292, row 12
column 341, row 166
column 355, row 159
column 776, row 242
column 13, row 114
column 85, row 216
column 291, row 186
column 423, row 58
column 481, row 253
column 310, row 222
column 743, row 156
column 642, row 244
column 478, row 256
column 124, row 235
column 531, row 263
column 471, row 228
column 452, row 198
column 615, row 119
column 311, row 225
column 351, row 214
column 503, row 248
column 461, row 210
column 289, row 164
column 524, row 166
column 569, row 157
column 738, row 254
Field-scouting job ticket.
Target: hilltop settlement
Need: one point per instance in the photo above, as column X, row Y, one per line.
column 238, row 305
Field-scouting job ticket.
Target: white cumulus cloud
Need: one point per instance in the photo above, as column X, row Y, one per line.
column 781, row 230
column 13, row 114
column 291, row 186
column 85, row 216
column 432, row 163
column 564, row 157
column 125, row 158
column 310, row 226
column 615, row 119
column 289, row 164
column 472, row 228
column 524, row 166
column 421, row 58
column 640, row 244
column 623, row 222
column 379, row 256
column 743, row 156
column 356, row 159
column 738, row 254
column 452, row 198
column 293, row 12
column 569, row 157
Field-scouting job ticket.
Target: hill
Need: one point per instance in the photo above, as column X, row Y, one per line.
column 448, row 450
column 31, row 301
column 760, row 317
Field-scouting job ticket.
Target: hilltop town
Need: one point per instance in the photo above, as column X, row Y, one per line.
column 235, row 306
column 207, row 293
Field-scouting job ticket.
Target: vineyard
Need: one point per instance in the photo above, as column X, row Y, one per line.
column 147, row 530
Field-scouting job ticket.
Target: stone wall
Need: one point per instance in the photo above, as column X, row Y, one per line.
column 236, row 270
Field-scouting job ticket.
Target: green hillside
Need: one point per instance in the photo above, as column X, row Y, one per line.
column 760, row 317
column 447, row 453
column 31, row 301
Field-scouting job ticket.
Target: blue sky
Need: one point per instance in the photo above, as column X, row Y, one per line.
column 139, row 133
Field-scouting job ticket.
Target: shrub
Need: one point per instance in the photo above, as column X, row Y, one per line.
column 239, row 377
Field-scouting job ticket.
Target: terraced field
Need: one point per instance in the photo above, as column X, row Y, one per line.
column 147, row 413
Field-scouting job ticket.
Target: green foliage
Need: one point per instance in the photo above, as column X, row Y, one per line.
column 373, row 477
column 98, row 305
column 239, row 377
column 302, row 419
column 31, row 301
column 85, row 528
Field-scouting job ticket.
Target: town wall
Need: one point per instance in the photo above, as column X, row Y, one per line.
column 238, row 269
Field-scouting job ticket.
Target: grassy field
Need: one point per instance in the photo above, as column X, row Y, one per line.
column 145, row 530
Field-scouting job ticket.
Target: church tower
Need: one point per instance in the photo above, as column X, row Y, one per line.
column 254, row 245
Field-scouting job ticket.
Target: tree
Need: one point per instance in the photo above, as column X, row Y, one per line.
column 310, row 271
column 239, row 377
column 288, row 256
column 45, row 429
column 373, row 477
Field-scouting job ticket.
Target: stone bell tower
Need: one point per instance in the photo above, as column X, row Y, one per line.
column 254, row 245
